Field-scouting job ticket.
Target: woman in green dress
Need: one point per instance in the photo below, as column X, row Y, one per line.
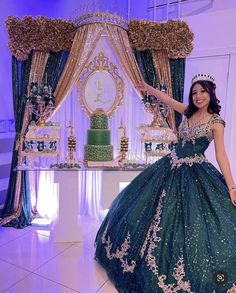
column 173, row 228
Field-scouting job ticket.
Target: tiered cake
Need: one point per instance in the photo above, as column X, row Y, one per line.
column 98, row 148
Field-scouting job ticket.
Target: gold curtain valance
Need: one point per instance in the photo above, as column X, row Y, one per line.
column 40, row 33
column 175, row 36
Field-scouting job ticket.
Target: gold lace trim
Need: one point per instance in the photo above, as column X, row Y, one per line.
column 191, row 133
column 179, row 272
column 178, row 162
column 120, row 253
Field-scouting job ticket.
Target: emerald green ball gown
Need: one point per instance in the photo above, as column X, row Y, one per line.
column 173, row 228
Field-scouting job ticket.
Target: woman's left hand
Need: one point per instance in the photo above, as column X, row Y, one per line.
column 232, row 194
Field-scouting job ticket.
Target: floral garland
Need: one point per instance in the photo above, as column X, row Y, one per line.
column 174, row 35
column 45, row 34
column 41, row 33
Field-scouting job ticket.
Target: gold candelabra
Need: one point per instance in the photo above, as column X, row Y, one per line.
column 40, row 103
column 154, row 110
column 157, row 109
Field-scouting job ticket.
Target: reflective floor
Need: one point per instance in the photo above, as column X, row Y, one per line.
column 31, row 262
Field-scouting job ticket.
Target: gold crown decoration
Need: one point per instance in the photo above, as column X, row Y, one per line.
column 204, row 77
column 102, row 17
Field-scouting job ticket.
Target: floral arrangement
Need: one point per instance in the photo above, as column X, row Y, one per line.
column 40, row 33
column 45, row 34
column 174, row 35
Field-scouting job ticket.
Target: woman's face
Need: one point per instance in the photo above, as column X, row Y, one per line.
column 200, row 96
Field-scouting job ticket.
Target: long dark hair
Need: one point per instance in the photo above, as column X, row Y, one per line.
column 214, row 105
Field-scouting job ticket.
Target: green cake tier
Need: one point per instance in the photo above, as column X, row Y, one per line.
column 99, row 121
column 98, row 137
column 98, row 153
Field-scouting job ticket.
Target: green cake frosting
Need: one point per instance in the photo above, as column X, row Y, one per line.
column 100, row 153
column 99, row 121
column 98, row 137
column 98, row 148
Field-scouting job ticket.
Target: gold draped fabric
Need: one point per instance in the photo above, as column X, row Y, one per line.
column 120, row 43
column 162, row 66
column 39, row 61
column 83, row 46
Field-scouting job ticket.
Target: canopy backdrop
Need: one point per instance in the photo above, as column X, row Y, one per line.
column 60, row 50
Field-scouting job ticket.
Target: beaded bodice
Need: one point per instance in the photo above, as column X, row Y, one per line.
column 194, row 140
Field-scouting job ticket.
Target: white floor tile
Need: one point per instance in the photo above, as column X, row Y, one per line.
column 43, row 230
column 88, row 241
column 75, row 268
column 10, row 274
column 8, row 234
column 89, row 223
column 108, row 287
column 36, row 284
column 92, row 227
column 30, row 262
column 31, row 250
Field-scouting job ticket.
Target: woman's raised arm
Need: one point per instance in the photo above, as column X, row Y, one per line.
column 163, row 97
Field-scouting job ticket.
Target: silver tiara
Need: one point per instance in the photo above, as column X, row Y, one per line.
column 205, row 77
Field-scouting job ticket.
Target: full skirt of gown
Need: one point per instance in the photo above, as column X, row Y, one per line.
column 172, row 229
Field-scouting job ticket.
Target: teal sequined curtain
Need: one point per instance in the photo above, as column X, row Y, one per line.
column 20, row 79
column 146, row 66
column 177, row 68
column 54, row 67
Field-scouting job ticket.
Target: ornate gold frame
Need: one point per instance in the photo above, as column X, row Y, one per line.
column 100, row 66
